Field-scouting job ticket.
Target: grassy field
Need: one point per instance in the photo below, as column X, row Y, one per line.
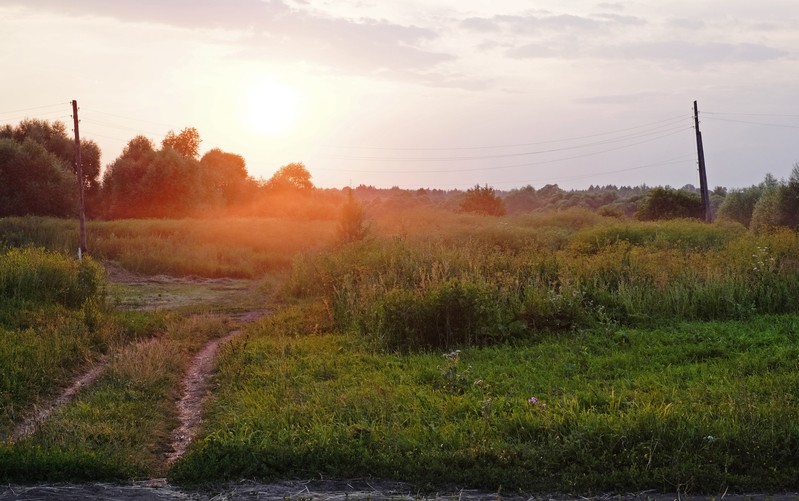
column 561, row 352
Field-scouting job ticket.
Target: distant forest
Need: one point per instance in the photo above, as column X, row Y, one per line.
column 171, row 180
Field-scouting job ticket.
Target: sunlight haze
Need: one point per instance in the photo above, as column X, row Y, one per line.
column 435, row 94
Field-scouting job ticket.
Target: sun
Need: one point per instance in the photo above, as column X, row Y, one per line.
column 271, row 108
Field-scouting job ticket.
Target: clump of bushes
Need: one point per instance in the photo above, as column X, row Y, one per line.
column 35, row 276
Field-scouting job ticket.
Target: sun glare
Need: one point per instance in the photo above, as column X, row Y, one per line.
column 271, row 108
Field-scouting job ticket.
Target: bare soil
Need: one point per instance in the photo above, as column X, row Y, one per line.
column 195, row 389
column 41, row 414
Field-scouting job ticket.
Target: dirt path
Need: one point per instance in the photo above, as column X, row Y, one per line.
column 41, row 414
column 195, row 388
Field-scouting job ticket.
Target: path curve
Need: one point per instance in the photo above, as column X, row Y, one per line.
column 40, row 415
column 195, row 388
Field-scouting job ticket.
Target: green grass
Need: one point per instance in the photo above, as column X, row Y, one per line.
column 661, row 355
column 695, row 407
column 119, row 429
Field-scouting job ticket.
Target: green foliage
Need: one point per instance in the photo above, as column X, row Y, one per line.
column 739, row 205
column 34, row 181
column 35, row 276
column 668, row 203
column 778, row 206
column 402, row 293
column 171, row 182
column 352, row 224
column 53, row 137
column 709, row 411
column 482, row 200
column 186, row 142
column 224, row 175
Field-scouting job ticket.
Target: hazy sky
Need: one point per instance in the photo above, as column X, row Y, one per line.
column 424, row 93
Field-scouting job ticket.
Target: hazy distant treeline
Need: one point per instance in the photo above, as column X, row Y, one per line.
column 37, row 177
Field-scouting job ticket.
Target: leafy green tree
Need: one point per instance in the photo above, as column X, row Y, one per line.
column 186, row 142
column 54, row 138
column 482, row 200
column 123, row 193
column 668, row 203
column 739, row 205
column 34, row 181
column 292, row 177
column 778, row 206
column 224, row 177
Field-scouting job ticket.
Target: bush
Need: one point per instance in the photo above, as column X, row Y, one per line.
column 483, row 200
column 36, row 276
column 667, row 203
column 450, row 314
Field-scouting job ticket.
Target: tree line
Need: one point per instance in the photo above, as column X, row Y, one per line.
column 37, row 177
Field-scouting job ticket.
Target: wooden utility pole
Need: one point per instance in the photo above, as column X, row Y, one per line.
column 79, row 170
column 700, row 153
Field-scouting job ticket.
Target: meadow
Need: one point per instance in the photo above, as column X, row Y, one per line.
column 548, row 352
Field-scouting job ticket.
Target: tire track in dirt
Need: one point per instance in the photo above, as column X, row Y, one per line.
column 195, row 388
column 40, row 415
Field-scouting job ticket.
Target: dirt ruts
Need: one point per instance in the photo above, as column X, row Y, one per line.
column 195, row 389
column 41, row 414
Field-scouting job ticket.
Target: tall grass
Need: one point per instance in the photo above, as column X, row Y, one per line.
column 231, row 247
column 498, row 284
column 51, row 323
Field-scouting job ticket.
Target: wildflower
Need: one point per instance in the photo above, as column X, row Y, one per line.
column 535, row 402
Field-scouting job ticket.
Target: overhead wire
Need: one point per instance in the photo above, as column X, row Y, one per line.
column 510, row 155
column 784, row 126
column 10, row 112
column 527, row 164
column 536, row 143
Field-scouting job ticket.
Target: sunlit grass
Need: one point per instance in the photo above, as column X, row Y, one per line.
column 701, row 408
column 230, row 247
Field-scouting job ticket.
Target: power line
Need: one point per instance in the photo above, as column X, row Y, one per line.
column 122, row 127
column 785, row 126
column 574, row 138
column 529, row 164
column 558, row 179
column 751, row 114
column 510, row 155
column 32, row 108
column 128, row 118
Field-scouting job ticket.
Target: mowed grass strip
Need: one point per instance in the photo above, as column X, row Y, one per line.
column 119, row 428
column 698, row 407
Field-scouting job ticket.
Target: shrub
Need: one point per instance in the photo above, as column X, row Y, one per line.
column 667, row 203
column 483, row 200
column 450, row 314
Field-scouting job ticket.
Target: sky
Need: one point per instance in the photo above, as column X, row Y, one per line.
column 439, row 94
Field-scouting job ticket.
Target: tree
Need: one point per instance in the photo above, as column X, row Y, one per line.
column 778, row 206
column 352, row 223
column 482, row 200
column 34, row 181
column 122, row 189
column 187, row 142
column 224, row 176
column 53, row 137
column 292, row 177
column 668, row 203
column 739, row 205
